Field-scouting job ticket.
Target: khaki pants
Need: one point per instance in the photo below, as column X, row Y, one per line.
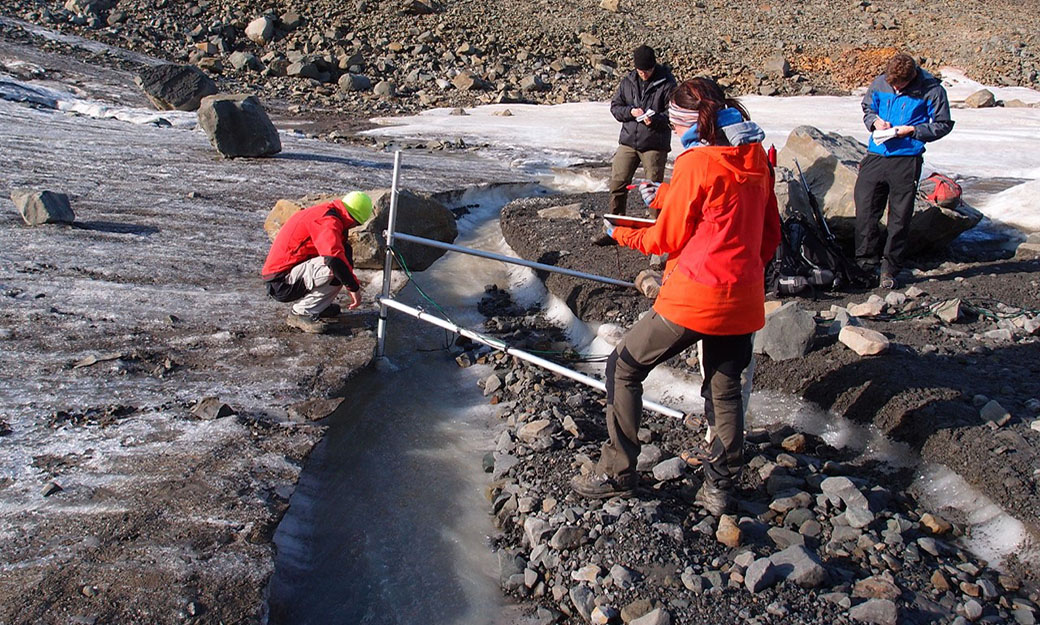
column 650, row 342
column 626, row 160
column 318, row 280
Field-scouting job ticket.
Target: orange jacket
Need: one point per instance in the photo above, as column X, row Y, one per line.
column 720, row 225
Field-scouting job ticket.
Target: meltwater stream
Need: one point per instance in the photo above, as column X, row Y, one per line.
column 388, row 524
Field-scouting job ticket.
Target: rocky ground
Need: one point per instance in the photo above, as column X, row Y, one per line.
column 820, row 534
column 961, row 391
column 365, row 58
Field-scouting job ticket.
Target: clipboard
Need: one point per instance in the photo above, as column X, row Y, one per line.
column 629, row 222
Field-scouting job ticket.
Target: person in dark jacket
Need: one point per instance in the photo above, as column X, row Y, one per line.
column 641, row 105
column 310, row 261
column 904, row 108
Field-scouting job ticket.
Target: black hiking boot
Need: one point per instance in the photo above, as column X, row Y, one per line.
column 602, row 486
column 331, row 312
column 716, row 501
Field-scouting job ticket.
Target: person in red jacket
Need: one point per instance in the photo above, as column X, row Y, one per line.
column 719, row 226
column 310, row 261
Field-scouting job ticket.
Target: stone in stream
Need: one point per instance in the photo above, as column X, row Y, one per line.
column 238, row 126
column 42, row 207
column 314, row 409
column 857, row 509
column 875, row 611
column 172, row 87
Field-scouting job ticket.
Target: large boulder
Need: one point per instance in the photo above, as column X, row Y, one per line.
column 42, row 207
column 238, row 125
column 788, row 333
column 830, row 163
column 175, row 87
column 417, row 215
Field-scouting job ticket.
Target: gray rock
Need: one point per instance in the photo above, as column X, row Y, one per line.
column 653, row 617
column 760, row 575
column 981, row 99
column 50, row 488
column 175, row 87
column 994, row 414
column 42, row 207
column 1024, row 616
column 777, row 66
column 314, row 409
column 532, row 83
column 303, row 69
column 950, row 311
column 567, row 537
column 972, row 610
column 876, row 611
column 693, row 582
column 831, row 164
column 535, row 529
column 788, row 333
column 503, row 463
column 583, row 600
column 212, row 408
column 238, row 126
column 354, row 82
column 784, row 538
column 671, row 469
column 649, row 456
column 510, row 564
column 800, row 566
column 857, row 508
column 244, row 60
column 261, row 30
column 538, row 433
column 418, row 215
column 385, row 89
column 623, row 577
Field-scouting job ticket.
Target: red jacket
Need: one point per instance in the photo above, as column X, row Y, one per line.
column 320, row 230
column 720, row 225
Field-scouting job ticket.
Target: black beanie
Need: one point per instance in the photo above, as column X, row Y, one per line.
column 643, row 58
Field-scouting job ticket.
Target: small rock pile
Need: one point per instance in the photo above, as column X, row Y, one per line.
column 818, row 536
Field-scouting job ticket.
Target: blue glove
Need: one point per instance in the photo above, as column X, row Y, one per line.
column 608, row 228
column 648, row 191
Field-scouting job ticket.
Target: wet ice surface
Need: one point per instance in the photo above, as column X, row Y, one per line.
column 388, row 523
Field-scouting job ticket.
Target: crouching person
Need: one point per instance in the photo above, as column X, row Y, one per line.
column 310, row 261
column 719, row 225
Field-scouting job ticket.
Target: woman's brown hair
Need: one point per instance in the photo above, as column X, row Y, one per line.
column 705, row 96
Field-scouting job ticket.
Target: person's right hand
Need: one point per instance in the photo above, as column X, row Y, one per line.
column 637, row 112
column 355, row 300
column 880, row 124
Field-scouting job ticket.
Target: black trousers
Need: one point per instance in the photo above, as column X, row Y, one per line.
column 891, row 179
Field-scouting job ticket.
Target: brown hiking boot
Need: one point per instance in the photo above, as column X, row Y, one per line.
column 311, row 324
column 714, row 500
column 602, row 486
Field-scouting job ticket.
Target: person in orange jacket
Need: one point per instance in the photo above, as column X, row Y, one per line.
column 719, row 226
column 310, row 261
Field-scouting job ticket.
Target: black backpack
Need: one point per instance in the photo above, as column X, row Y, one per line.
column 808, row 260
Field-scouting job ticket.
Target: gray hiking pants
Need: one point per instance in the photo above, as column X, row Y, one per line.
column 317, row 278
column 650, row 342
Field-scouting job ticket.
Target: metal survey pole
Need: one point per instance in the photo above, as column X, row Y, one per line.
column 512, row 260
column 388, row 262
column 522, row 355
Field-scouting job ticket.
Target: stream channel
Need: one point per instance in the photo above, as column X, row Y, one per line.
column 389, row 523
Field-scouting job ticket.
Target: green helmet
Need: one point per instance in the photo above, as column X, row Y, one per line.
column 359, row 206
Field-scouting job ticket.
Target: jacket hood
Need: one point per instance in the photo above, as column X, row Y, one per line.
column 746, row 162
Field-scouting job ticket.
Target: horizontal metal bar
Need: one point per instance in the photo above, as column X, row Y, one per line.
column 519, row 353
column 510, row 259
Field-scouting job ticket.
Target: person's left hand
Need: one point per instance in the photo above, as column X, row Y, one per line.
column 904, row 131
column 648, row 191
column 355, row 300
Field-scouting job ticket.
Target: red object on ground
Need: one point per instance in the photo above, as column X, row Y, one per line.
column 771, row 154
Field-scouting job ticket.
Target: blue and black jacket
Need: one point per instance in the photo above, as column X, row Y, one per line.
column 922, row 104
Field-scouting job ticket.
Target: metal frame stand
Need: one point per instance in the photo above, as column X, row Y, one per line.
column 386, row 302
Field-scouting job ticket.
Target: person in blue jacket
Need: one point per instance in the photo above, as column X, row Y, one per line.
column 904, row 108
